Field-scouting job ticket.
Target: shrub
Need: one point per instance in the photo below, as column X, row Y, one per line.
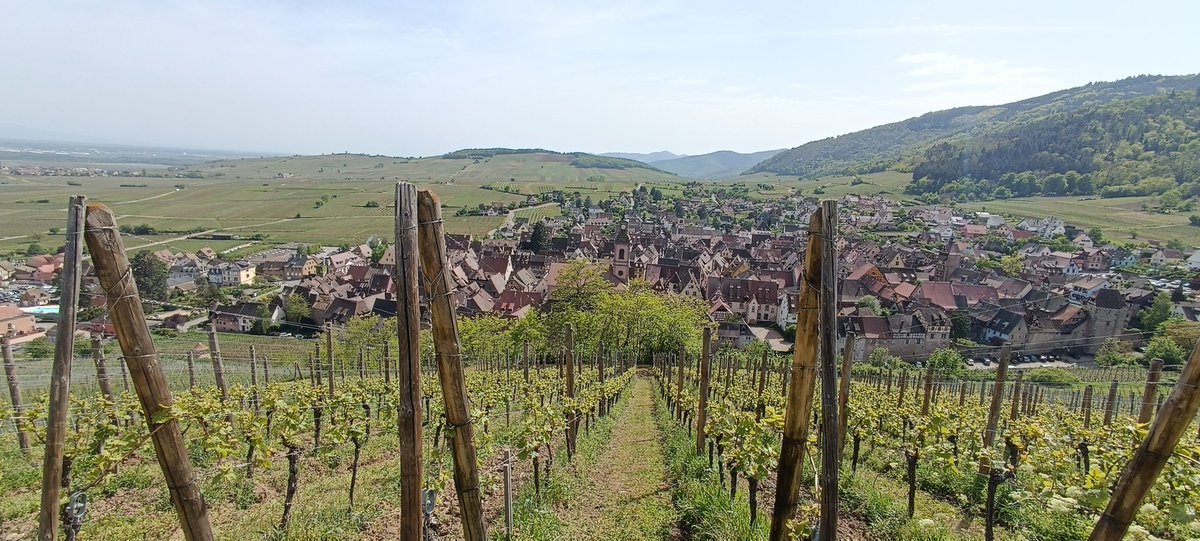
column 1056, row 377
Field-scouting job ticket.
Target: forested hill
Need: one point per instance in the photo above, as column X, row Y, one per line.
column 1141, row 146
column 881, row 147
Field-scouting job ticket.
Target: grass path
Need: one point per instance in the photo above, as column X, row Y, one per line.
column 625, row 495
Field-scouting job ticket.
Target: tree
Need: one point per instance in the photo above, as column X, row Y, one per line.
column 868, row 301
column 296, row 308
column 1012, row 265
column 1114, row 352
column 1157, row 313
column 1162, row 347
column 580, row 285
column 947, row 362
column 960, row 325
column 1181, row 331
column 1194, row 220
column 262, row 324
column 539, row 238
column 1097, row 235
column 150, row 274
column 35, row 249
column 38, row 349
column 378, row 251
column 208, row 293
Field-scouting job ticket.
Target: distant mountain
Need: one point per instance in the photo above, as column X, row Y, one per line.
column 882, row 147
column 714, row 165
column 644, row 158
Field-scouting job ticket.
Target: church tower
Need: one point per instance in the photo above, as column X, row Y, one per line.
column 621, row 254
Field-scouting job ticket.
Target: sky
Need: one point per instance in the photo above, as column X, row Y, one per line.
column 424, row 78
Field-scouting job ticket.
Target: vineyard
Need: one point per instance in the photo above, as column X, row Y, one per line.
column 612, row 416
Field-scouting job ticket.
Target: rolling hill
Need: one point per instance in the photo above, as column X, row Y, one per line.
column 714, row 165
column 882, row 147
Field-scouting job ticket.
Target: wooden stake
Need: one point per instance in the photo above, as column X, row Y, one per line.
column 214, row 352
column 329, row 358
column 679, row 364
column 989, row 434
column 60, row 379
column 803, row 379
column 1152, row 455
column 705, row 374
column 439, row 286
column 101, row 369
column 191, row 366
column 408, row 376
column 844, row 393
column 1087, row 407
column 1111, row 404
column 125, row 309
column 569, row 361
column 1016, row 397
column 14, row 392
column 928, row 390
column 1147, row 410
column 829, row 408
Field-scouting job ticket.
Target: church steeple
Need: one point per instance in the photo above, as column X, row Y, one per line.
column 621, row 253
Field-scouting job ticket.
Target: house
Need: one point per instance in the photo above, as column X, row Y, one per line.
column 242, row 316
column 14, row 323
column 1166, row 256
column 300, row 266
column 232, row 274
column 754, row 300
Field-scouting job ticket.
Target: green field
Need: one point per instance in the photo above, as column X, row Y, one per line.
column 279, row 197
column 890, row 183
column 536, row 214
column 1118, row 217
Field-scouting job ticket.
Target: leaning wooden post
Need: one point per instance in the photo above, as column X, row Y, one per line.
column 329, row 358
column 214, row 352
column 843, row 392
column 993, row 420
column 1140, row 473
column 569, row 361
column 829, row 406
column 800, row 387
column 408, row 376
column 705, row 369
column 14, row 392
column 125, row 310
column 439, row 286
column 1111, row 404
column 60, row 379
column 928, row 390
column 101, row 369
column 1152, row 378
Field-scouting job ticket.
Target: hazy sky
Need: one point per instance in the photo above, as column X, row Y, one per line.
column 421, row 78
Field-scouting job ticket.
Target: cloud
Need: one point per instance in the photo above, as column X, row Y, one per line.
column 946, row 30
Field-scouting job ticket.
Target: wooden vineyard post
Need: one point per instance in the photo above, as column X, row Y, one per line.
column 191, row 368
column 1111, row 404
column 508, row 495
column 1140, row 473
column 989, row 434
column 439, row 286
column 101, row 369
column 829, row 406
column 761, row 407
column 705, row 374
column 1147, row 410
column 525, row 360
column 408, row 364
column 1087, row 407
column 679, row 364
column 214, row 352
column 1016, row 397
column 843, row 393
column 329, row 358
column 60, row 379
column 803, row 379
column 569, row 360
column 149, row 381
column 254, row 376
column 928, row 390
column 14, row 392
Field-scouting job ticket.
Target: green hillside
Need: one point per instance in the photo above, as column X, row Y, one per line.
column 719, row 164
column 886, row 146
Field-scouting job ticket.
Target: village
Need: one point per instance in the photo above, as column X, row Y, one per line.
column 913, row 279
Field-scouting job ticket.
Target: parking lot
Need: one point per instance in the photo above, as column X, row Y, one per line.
column 1023, row 360
column 11, row 294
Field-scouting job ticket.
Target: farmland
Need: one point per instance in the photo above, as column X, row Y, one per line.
column 1118, row 214
column 304, row 198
